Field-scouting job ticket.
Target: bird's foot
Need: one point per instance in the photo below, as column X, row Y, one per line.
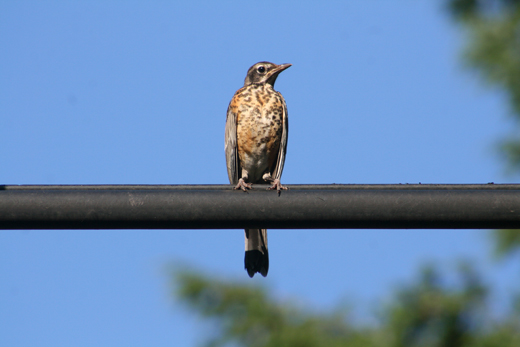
column 278, row 186
column 243, row 185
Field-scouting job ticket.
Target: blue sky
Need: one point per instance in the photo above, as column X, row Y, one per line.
column 122, row 92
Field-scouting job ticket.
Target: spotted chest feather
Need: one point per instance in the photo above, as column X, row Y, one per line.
column 259, row 113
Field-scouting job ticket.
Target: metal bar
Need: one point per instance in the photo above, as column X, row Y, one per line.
column 408, row 206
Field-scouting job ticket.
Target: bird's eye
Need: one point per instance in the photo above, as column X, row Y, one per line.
column 261, row 69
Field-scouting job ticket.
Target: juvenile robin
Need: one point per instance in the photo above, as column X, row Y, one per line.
column 256, row 142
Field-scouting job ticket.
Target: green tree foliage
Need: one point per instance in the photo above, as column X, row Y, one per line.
column 493, row 51
column 428, row 313
column 507, row 241
column 249, row 316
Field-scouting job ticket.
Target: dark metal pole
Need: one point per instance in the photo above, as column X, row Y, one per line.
column 220, row 207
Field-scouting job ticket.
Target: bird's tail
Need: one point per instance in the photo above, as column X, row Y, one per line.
column 257, row 256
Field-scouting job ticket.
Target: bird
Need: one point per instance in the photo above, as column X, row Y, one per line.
column 255, row 145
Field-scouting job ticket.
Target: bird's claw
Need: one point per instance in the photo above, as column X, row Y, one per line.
column 278, row 186
column 243, row 185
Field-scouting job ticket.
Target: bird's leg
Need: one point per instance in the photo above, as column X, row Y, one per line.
column 278, row 186
column 242, row 182
column 276, row 183
column 243, row 185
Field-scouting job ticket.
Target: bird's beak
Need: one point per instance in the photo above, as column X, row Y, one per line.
column 271, row 75
column 278, row 69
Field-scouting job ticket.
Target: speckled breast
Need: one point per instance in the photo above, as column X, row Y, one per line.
column 259, row 109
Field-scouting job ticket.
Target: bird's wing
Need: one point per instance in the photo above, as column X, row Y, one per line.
column 231, row 144
column 277, row 172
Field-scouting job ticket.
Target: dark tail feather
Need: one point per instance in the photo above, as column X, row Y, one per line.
column 257, row 256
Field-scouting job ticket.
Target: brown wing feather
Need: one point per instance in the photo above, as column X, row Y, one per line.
column 230, row 144
column 280, row 160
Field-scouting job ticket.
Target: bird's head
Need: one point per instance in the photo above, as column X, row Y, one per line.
column 264, row 72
